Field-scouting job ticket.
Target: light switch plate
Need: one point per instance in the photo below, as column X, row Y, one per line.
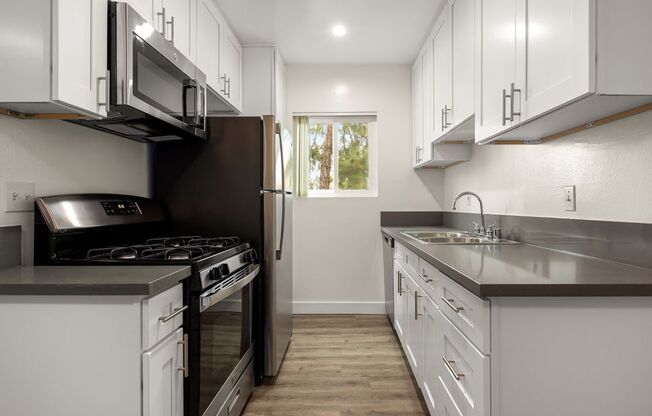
column 569, row 198
column 19, row 196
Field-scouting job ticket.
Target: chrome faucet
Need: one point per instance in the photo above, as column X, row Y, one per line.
column 483, row 229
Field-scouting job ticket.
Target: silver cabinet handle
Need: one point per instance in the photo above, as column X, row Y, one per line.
column 511, row 102
column 446, row 111
column 228, row 92
column 425, row 278
column 177, row 311
column 161, row 14
column 449, row 302
column 449, row 366
column 171, row 23
column 400, row 285
column 442, row 119
column 505, row 118
column 185, row 355
column 107, row 91
column 416, row 305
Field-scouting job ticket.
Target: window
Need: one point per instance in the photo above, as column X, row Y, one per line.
column 341, row 156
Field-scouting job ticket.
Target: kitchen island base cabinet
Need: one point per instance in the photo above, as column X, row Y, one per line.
column 84, row 355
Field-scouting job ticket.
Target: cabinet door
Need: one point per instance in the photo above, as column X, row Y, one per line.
column 208, row 42
column 431, row 355
column 428, row 92
column 400, row 305
column 177, row 24
column 162, row 379
column 231, row 67
column 79, row 42
column 414, row 339
column 462, row 18
column 495, row 65
column 555, row 53
column 417, row 112
column 279, row 88
column 443, row 105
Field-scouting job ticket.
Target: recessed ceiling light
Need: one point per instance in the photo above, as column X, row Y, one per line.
column 339, row 30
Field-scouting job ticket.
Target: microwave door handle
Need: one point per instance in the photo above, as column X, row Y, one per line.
column 187, row 85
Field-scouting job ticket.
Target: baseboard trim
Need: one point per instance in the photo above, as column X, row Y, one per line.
column 338, row 308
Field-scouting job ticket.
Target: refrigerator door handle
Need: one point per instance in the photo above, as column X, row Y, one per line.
column 280, row 144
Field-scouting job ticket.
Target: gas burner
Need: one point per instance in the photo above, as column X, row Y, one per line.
column 172, row 241
column 217, row 242
column 112, row 253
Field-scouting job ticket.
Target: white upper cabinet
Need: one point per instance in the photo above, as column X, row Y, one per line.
column 561, row 63
column 442, row 77
column 462, row 18
column 495, row 64
column 417, row 112
column 208, row 42
column 427, row 99
column 64, row 69
column 263, row 74
column 231, row 67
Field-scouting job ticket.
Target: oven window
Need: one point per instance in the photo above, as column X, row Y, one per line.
column 225, row 338
column 161, row 84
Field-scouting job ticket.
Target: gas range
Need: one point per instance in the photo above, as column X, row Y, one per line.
column 104, row 229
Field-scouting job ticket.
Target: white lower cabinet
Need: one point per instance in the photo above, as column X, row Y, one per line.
column 431, row 356
column 163, row 377
column 400, row 301
column 414, row 338
column 515, row 356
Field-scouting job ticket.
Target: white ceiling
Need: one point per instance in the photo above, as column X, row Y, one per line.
column 378, row 31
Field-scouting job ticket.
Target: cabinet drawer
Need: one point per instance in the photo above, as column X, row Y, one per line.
column 430, row 277
column 463, row 370
column 157, row 312
column 407, row 259
column 469, row 313
column 446, row 406
column 399, row 252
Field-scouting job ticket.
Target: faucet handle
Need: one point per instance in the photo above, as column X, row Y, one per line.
column 476, row 228
column 490, row 231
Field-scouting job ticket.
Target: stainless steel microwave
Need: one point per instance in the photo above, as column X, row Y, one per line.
column 156, row 93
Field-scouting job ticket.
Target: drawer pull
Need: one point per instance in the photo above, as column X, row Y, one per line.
column 185, row 355
column 177, row 311
column 449, row 302
column 400, row 287
column 449, row 366
column 416, row 305
column 425, row 278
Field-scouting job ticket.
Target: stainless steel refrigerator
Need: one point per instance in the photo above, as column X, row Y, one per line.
column 239, row 182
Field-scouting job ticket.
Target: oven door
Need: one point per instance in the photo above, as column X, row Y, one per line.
column 151, row 76
column 225, row 340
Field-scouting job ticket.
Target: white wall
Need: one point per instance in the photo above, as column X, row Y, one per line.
column 337, row 243
column 611, row 167
column 60, row 157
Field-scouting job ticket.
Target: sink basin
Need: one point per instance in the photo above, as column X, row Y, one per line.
column 452, row 237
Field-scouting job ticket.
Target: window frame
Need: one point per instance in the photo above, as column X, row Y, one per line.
column 371, row 120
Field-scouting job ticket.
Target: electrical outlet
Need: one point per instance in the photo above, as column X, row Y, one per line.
column 468, row 200
column 19, row 196
column 569, row 198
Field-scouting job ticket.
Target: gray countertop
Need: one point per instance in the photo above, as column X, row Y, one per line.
column 527, row 270
column 90, row 280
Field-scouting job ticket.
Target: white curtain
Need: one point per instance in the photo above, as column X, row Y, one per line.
column 301, row 156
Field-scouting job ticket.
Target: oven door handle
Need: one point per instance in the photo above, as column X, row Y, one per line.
column 206, row 301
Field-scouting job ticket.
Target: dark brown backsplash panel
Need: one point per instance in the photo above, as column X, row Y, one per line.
column 410, row 218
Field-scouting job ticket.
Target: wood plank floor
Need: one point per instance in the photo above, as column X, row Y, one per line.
column 340, row 365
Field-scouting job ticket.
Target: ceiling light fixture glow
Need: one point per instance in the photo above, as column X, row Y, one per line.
column 339, row 30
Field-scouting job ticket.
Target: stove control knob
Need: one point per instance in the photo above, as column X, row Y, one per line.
column 219, row 272
column 250, row 256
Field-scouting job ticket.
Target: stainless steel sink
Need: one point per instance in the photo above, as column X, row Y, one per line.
column 452, row 237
